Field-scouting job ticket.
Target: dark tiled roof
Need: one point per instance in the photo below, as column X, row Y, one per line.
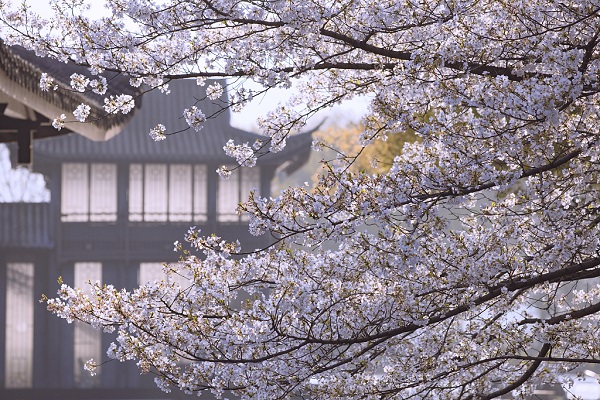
column 135, row 145
column 25, row 225
column 25, row 68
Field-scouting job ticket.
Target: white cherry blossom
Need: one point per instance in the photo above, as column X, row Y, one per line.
column 79, row 82
column 224, row 172
column 82, row 112
column 214, row 91
column 122, row 103
column 158, row 133
column 59, row 122
column 99, row 86
column 47, row 83
column 194, row 117
column 243, row 154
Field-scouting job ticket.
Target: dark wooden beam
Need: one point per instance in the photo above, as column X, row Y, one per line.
column 41, row 128
column 24, row 138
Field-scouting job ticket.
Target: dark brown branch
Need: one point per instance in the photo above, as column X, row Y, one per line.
column 530, row 371
column 594, row 308
column 493, row 293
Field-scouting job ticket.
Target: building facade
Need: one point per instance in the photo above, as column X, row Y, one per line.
column 116, row 208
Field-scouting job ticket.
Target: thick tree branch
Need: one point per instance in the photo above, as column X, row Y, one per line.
column 524, row 378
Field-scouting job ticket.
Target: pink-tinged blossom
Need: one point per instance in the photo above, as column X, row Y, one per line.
column 81, row 112
column 214, row 91
column 194, row 117
column 59, row 122
column 79, row 82
column 47, row 83
column 158, row 133
column 122, row 103
column 99, row 86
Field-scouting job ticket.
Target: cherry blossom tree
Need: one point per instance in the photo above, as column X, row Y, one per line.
column 466, row 271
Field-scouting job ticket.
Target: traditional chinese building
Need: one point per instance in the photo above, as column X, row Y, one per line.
column 118, row 203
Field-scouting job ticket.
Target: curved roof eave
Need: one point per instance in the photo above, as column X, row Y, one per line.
column 20, row 73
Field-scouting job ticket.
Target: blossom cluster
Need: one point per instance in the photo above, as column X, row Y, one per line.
column 99, row 86
column 243, row 154
column 224, row 172
column 194, row 117
column 79, row 82
column 122, row 103
column 82, row 112
column 59, row 122
column 47, row 83
column 214, row 91
column 158, row 133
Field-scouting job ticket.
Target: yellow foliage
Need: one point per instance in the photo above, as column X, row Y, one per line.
column 375, row 157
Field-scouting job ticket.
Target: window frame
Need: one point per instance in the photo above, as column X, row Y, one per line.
column 93, row 188
column 87, row 341
column 19, row 326
column 246, row 179
column 197, row 193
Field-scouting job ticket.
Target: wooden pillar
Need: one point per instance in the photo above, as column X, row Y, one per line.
column 122, row 188
column 55, row 327
column 3, row 279
column 212, row 184
column 66, row 337
column 114, row 373
column 24, row 137
column 41, row 345
column 266, row 176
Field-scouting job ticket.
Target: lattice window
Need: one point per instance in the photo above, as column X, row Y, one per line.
column 235, row 190
column 200, row 199
column 155, row 192
column 89, row 192
column 103, row 192
column 180, row 192
column 19, row 325
column 154, row 271
column 250, row 179
column 87, row 340
column 160, row 192
column 75, row 192
column 136, row 192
